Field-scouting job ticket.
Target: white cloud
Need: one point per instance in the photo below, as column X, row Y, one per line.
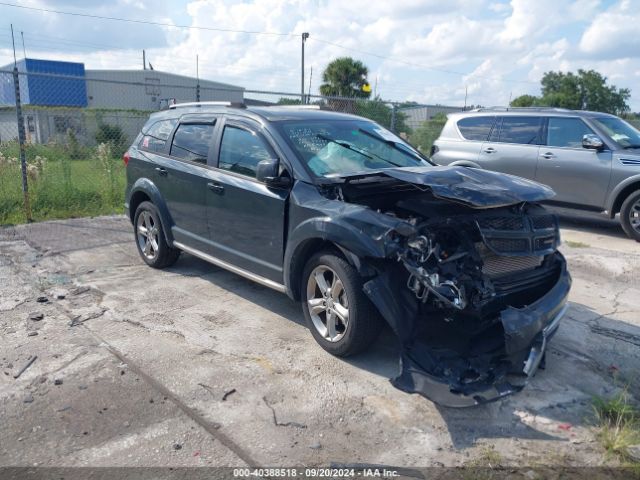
column 497, row 47
column 614, row 33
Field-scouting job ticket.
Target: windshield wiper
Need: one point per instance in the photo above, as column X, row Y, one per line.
column 364, row 153
column 344, row 145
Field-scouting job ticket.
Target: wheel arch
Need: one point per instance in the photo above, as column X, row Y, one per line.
column 145, row 190
column 621, row 193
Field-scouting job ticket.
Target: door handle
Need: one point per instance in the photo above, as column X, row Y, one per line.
column 489, row 150
column 215, row 187
column 548, row 155
column 161, row 171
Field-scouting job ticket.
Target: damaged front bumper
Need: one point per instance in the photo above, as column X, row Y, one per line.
column 497, row 366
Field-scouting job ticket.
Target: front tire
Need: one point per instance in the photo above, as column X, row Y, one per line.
column 150, row 239
column 341, row 318
column 630, row 216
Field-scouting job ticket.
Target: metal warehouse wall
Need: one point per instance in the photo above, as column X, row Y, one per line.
column 149, row 89
column 7, row 88
column 52, row 90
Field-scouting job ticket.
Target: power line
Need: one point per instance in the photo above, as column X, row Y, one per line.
column 146, row 22
column 254, row 32
column 414, row 64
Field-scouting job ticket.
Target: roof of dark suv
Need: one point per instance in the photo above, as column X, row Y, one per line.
column 272, row 113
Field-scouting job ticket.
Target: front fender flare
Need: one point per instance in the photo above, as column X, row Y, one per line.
column 615, row 193
column 354, row 243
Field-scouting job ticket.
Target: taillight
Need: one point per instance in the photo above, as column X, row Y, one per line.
column 125, row 158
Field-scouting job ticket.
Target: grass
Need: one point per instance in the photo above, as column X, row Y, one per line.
column 573, row 244
column 63, row 183
column 618, row 424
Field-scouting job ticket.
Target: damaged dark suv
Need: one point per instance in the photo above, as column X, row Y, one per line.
column 347, row 218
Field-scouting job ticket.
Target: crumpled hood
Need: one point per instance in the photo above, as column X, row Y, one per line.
column 472, row 186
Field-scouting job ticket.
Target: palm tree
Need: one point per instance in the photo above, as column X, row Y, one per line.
column 345, row 77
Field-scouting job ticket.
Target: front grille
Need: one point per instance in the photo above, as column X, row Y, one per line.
column 502, row 223
column 509, row 245
column 543, row 221
column 520, row 235
column 495, row 266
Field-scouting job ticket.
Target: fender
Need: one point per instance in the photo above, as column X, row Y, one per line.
column 354, row 241
column 149, row 188
column 613, row 195
column 465, row 163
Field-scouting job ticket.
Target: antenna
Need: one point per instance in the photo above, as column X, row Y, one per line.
column 465, row 99
column 13, row 42
column 24, row 50
column 197, row 78
column 144, row 60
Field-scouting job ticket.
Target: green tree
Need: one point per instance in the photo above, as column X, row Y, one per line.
column 427, row 133
column 586, row 90
column 525, row 101
column 345, row 77
column 380, row 112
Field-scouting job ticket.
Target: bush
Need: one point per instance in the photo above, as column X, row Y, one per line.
column 114, row 136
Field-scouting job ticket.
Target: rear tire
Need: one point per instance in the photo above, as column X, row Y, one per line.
column 341, row 318
column 630, row 216
column 150, row 240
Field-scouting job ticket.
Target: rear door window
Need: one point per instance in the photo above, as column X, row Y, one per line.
column 241, row 150
column 476, row 128
column 522, row 130
column 192, row 141
column 566, row 132
column 155, row 137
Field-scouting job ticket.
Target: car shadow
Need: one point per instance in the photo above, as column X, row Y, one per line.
column 571, row 351
column 589, row 222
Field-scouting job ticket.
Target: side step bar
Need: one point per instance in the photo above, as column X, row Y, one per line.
column 232, row 268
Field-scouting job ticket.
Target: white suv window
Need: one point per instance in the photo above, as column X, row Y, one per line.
column 566, row 132
column 476, row 127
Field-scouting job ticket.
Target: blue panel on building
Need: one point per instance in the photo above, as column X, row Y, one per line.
column 56, row 89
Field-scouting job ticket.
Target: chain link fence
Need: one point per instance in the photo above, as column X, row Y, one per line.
column 62, row 135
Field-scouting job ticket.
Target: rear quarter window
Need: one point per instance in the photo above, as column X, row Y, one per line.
column 521, row 130
column 476, row 128
column 154, row 138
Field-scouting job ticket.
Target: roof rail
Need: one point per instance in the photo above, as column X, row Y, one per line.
column 302, row 107
column 207, row 104
column 518, row 109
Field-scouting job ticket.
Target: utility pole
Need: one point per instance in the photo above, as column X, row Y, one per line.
column 310, row 77
column 144, row 60
column 197, row 79
column 24, row 50
column 305, row 35
column 21, row 133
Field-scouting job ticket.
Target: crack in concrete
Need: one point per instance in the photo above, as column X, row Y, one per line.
column 275, row 417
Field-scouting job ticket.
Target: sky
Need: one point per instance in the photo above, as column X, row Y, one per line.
column 429, row 51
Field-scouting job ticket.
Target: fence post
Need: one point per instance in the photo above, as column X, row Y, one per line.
column 22, row 141
column 393, row 117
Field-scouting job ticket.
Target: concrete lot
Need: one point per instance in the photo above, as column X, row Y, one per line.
column 196, row 366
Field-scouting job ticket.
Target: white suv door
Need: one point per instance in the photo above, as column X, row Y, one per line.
column 513, row 146
column 578, row 175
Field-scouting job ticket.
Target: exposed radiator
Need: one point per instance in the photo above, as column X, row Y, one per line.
column 495, row 266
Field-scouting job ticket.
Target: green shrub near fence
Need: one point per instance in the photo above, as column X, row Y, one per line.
column 60, row 186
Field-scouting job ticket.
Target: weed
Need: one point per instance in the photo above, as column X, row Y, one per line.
column 573, row 244
column 618, row 424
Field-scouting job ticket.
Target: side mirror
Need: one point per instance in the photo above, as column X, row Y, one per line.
column 268, row 172
column 592, row 142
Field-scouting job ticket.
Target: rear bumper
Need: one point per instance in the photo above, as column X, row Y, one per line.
column 527, row 332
